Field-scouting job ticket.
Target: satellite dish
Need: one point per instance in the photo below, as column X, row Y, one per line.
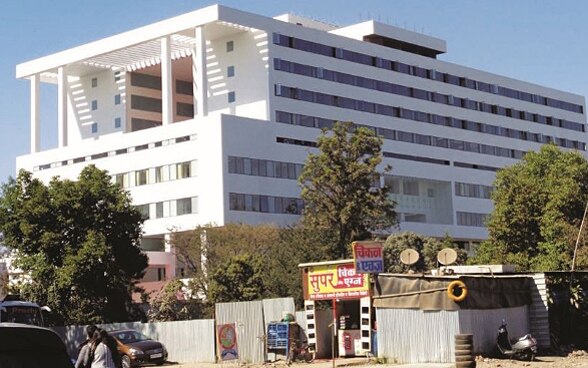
column 447, row 256
column 409, row 256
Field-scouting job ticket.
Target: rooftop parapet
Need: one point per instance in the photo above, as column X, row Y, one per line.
column 394, row 37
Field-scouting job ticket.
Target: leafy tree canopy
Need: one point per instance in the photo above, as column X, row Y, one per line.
column 239, row 279
column 338, row 188
column 538, row 206
column 427, row 247
column 275, row 253
column 170, row 304
column 78, row 241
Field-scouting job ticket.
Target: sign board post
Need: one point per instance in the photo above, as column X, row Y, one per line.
column 368, row 257
column 336, row 282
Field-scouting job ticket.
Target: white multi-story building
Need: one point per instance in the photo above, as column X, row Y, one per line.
column 208, row 117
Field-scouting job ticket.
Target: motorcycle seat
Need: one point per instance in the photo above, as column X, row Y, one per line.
column 526, row 337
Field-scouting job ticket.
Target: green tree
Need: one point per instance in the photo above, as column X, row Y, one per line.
column 171, row 305
column 538, row 206
column 398, row 242
column 78, row 241
column 338, row 188
column 427, row 247
column 433, row 246
column 238, row 279
column 205, row 251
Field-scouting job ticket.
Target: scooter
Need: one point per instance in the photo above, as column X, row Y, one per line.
column 525, row 348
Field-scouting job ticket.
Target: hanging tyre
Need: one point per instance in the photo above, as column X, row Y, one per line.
column 457, row 291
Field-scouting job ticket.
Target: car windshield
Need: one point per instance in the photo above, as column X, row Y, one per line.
column 21, row 314
column 129, row 336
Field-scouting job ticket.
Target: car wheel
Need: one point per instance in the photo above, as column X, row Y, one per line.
column 126, row 361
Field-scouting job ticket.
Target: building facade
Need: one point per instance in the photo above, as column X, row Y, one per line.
column 208, row 118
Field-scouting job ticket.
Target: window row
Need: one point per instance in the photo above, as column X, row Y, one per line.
column 471, row 219
column 265, row 204
column 117, row 125
column 158, row 174
column 427, row 140
column 399, row 156
column 121, row 151
column 267, row 168
column 423, row 117
column 154, row 82
column 473, row 190
column 356, row 57
column 174, row 207
column 397, row 89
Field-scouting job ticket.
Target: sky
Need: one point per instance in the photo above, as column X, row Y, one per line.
column 538, row 41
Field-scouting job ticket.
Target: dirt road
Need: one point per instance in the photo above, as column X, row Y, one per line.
column 576, row 359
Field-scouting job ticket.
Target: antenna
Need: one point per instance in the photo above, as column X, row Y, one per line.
column 447, row 256
column 409, row 257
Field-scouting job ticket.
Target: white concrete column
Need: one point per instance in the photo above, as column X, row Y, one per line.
column 34, row 113
column 61, row 107
column 199, row 79
column 167, row 107
column 170, row 269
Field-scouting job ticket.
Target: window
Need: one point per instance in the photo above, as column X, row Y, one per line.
column 145, row 81
column 159, row 174
column 94, row 105
column 159, row 210
column 145, row 103
column 117, row 76
column 185, row 109
column 183, row 170
column 184, row 87
column 410, row 188
column 231, row 97
column 230, row 71
column 141, row 177
column 94, row 82
column 120, row 179
column 117, row 99
column 117, row 123
column 230, row 46
column 144, row 210
column 184, row 206
column 94, row 127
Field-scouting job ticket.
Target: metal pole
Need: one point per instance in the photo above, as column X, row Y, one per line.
column 578, row 238
column 334, row 331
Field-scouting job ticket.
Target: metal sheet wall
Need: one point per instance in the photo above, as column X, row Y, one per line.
column 539, row 312
column 274, row 308
column 484, row 324
column 186, row 341
column 416, row 336
column 250, row 327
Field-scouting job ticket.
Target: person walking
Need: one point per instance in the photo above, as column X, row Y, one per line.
column 84, row 347
column 103, row 352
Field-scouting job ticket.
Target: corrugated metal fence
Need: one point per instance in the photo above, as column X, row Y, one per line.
column 252, row 318
column 195, row 340
column 417, row 336
column 185, row 341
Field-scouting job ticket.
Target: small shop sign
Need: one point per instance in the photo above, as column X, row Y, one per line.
column 336, row 281
column 368, row 257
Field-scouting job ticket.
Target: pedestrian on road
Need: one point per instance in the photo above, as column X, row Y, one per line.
column 84, row 347
column 103, row 352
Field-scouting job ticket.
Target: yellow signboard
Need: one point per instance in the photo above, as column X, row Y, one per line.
column 338, row 281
